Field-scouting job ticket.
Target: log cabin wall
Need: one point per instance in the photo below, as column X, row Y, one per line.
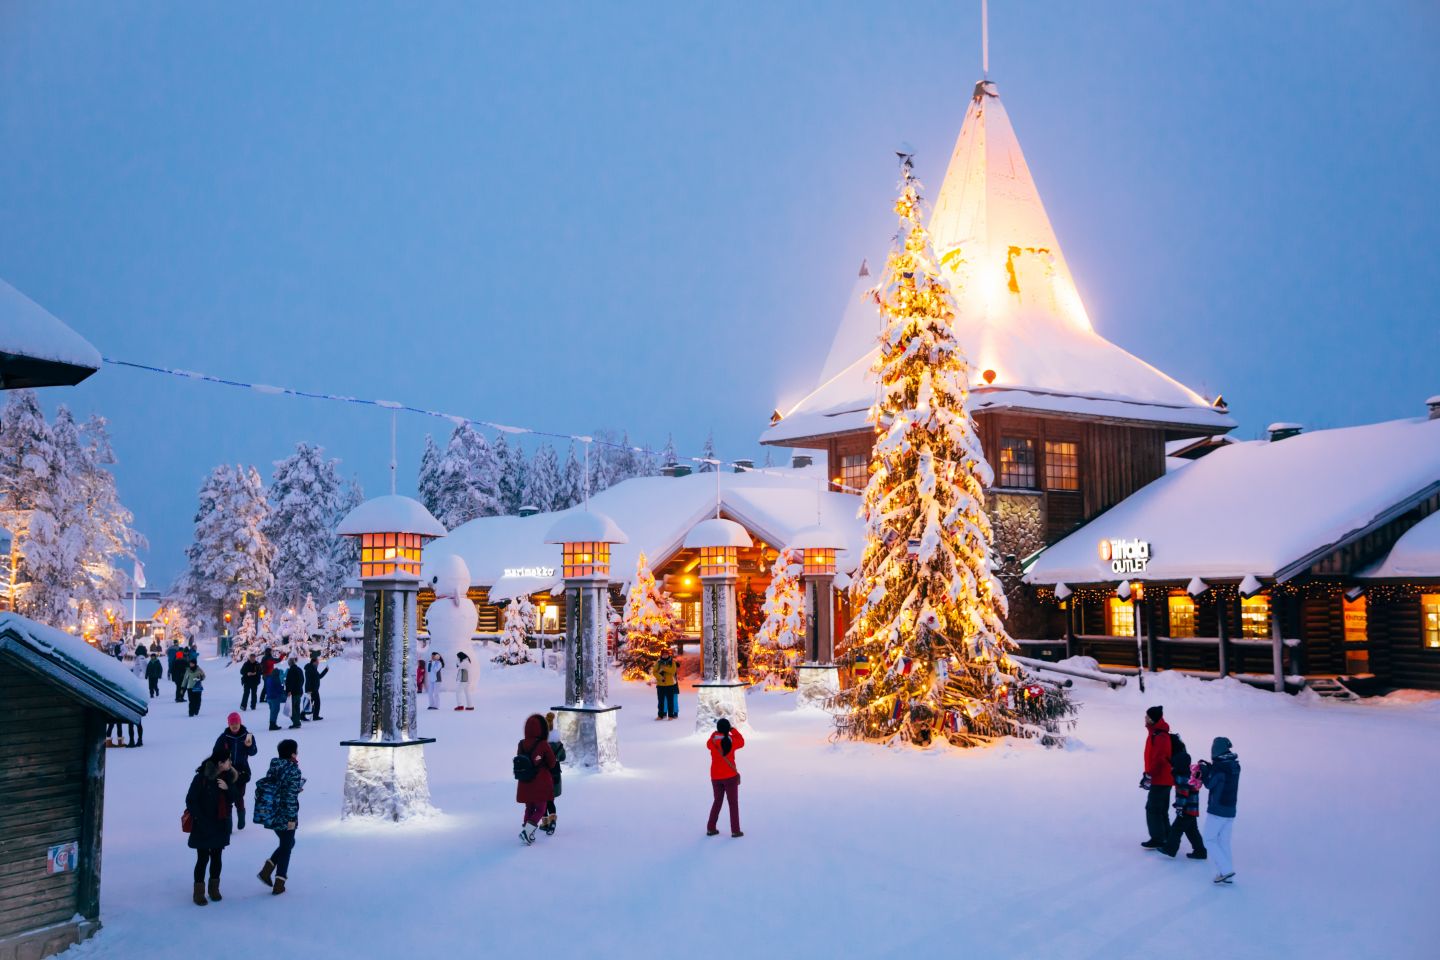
column 1396, row 637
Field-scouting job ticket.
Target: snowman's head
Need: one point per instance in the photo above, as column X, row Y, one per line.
column 447, row 575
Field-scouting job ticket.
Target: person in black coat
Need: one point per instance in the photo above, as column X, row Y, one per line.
column 208, row 804
column 295, row 687
column 176, row 657
column 313, row 676
column 249, row 682
column 240, row 746
column 153, row 672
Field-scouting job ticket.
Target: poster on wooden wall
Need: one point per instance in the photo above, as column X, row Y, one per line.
column 61, row 857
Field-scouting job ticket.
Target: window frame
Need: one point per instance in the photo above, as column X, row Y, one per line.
column 1070, row 462
column 1114, row 604
column 854, row 475
column 1247, row 627
column 1016, row 470
column 1191, row 614
column 1430, row 622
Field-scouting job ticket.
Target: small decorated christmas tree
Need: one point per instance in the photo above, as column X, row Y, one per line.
column 780, row 641
column 649, row 622
column 514, row 638
column 335, row 630
column 928, row 623
column 246, row 640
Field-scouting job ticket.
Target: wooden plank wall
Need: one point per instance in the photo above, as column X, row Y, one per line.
column 42, row 792
column 1395, row 635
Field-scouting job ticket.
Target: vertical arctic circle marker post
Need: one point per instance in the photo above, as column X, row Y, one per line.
column 385, row 777
column 720, row 692
column 587, row 724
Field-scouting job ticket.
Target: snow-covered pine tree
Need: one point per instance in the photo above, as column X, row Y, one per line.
column 230, row 554
column 469, row 478
column 668, row 456
column 335, row 629
column 542, row 483
column 309, row 621
column 649, row 622
column 304, row 498
column 572, row 482
column 53, row 553
column 513, row 467
column 518, row 624
column 111, row 542
column 707, row 453
column 246, row 640
column 623, row 462
column 427, row 480
column 928, row 622
column 24, row 445
column 602, row 461
column 344, row 551
column 647, row 463
column 780, row 641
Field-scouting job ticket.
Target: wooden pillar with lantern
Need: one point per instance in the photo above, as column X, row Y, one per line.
column 720, row 692
column 818, row 676
column 586, row 722
column 386, row 776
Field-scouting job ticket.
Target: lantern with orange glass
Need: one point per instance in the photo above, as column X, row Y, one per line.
column 720, row 692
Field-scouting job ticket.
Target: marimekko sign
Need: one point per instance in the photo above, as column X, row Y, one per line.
column 529, row 571
column 1125, row 555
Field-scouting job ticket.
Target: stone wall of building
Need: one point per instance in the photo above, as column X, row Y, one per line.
column 1018, row 521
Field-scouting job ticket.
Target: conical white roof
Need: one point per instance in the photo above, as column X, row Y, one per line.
column 1020, row 314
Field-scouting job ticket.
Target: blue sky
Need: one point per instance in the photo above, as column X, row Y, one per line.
column 647, row 216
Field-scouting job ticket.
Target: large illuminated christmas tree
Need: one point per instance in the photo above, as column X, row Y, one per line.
column 649, row 622
column 929, row 622
column 780, row 641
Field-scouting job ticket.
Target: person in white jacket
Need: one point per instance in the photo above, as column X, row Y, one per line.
column 465, row 670
column 434, row 675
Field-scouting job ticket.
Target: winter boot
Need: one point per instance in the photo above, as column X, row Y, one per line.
column 200, row 900
column 1224, row 877
column 527, row 834
column 548, row 825
column 738, row 833
column 239, row 816
column 267, row 873
column 1195, row 855
column 279, row 887
column 214, row 889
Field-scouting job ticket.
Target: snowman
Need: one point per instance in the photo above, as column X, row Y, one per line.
column 451, row 621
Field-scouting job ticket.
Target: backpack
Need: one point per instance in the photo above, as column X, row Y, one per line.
column 264, row 801
column 524, row 767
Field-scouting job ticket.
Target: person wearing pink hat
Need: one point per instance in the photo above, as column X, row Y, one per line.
column 241, row 746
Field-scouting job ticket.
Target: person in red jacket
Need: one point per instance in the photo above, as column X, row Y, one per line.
column 537, row 792
column 1158, row 778
column 724, row 775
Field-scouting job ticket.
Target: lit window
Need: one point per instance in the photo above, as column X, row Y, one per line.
column 386, row 554
column 718, row 561
column 818, row 560
column 1062, row 465
column 585, row 560
column 1182, row 615
column 1430, row 621
column 1017, row 462
column 1120, row 618
column 689, row 611
column 1255, row 617
column 549, row 618
column 1355, row 618
column 854, row 471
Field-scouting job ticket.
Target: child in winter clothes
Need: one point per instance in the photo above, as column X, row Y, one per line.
column 1187, row 805
column 537, row 792
column 275, row 694
column 724, row 776
column 194, row 686
column 667, row 687
column 1221, row 777
column 435, row 668
column 547, row 823
column 277, row 807
column 465, row 682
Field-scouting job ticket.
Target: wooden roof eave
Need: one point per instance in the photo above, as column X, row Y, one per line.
column 94, row 695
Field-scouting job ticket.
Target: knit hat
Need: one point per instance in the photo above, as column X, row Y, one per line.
column 233, row 719
column 1220, row 745
column 1155, row 713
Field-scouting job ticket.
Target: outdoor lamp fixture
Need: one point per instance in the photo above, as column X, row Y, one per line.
column 818, row 678
column 720, row 692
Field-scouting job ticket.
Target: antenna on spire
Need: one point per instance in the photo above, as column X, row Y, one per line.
column 985, row 38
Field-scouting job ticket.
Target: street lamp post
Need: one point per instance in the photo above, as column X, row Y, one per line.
column 720, row 692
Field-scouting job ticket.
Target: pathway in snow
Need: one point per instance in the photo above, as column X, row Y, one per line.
column 850, row 850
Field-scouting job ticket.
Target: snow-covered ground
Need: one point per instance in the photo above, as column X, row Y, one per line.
column 850, row 850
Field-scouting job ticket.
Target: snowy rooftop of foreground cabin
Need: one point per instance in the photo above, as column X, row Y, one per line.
column 101, row 681
column 1416, row 555
column 1259, row 508
column 656, row 513
column 29, row 330
column 1019, row 314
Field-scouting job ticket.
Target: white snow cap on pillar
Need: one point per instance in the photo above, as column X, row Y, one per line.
column 717, row 533
column 1250, row 586
column 585, row 526
column 391, row 513
column 1196, row 586
column 1062, row 591
column 817, row 538
column 1123, row 591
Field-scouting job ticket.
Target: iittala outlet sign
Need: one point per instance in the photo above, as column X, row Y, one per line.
column 1125, row 555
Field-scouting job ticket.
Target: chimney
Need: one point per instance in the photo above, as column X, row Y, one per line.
column 800, row 461
column 681, row 470
column 1283, row 431
column 1433, row 405
column 744, row 466
column 669, row 469
column 529, row 510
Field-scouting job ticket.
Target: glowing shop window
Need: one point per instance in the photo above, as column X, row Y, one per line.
column 855, row 471
column 1017, row 462
column 1120, row 618
column 550, row 618
column 585, row 560
column 1255, row 617
column 1062, row 465
column 689, row 611
column 1182, row 615
column 1356, row 619
column 1430, row 621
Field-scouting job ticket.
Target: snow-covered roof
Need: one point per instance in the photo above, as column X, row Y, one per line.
column 716, row 532
column 584, row 526
column 1020, row 315
column 391, row 513
column 1266, row 509
column 1416, row 555
column 102, row 682
column 510, row 587
column 657, row 513
column 37, row 349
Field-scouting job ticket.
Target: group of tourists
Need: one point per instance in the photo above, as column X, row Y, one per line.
column 215, row 804
column 283, row 684
column 430, row 680
column 1168, row 765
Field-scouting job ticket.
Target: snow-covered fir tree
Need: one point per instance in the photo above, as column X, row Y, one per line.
column 335, row 629
column 707, row 452
column 230, row 555
column 304, row 496
column 572, row 482
column 469, row 478
column 779, row 643
column 427, row 480
column 647, row 463
column 519, row 623
column 602, row 462
column 543, row 481
column 309, row 619
column 623, row 462
column 649, row 623
column 928, row 622
column 344, row 551
column 668, row 456
column 246, row 640
column 513, row 467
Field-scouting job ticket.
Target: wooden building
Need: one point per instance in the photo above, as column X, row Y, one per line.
column 1071, row 423
column 1266, row 560
column 56, row 695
